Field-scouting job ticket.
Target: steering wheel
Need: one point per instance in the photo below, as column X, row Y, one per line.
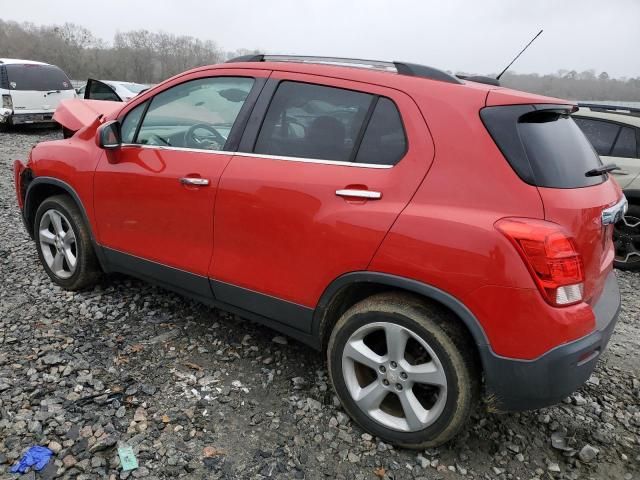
column 207, row 143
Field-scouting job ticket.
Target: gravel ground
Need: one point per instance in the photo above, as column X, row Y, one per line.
column 200, row 394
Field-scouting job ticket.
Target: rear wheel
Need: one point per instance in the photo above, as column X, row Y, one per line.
column 64, row 244
column 626, row 239
column 403, row 370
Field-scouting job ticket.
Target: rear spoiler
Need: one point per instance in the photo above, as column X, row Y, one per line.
column 74, row 114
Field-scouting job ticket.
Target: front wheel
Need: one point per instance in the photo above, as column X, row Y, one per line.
column 626, row 240
column 64, row 244
column 404, row 370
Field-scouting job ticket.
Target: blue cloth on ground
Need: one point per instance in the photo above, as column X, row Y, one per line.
column 36, row 457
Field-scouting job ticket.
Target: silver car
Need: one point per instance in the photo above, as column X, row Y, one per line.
column 615, row 134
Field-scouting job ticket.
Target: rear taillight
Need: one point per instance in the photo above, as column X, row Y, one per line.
column 551, row 256
column 7, row 102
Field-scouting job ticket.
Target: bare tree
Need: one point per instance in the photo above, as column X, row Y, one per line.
column 149, row 57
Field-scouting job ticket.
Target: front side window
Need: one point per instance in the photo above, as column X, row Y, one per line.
column 313, row 121
column 600, row 134
column 130, row 123
column 196, row 114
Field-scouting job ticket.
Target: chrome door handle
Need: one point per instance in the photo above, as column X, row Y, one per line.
column 197, row 181
column 369, row 194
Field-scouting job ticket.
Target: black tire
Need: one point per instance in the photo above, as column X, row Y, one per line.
column 87, row 269
column 622, row 235
column 443, row 334
column 6, row 126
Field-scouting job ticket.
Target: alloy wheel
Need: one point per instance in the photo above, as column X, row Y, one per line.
column 394, row 376
column 58, row 243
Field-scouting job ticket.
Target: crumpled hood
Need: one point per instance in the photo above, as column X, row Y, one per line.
column 75, row 114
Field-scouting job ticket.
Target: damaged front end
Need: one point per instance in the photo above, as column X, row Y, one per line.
column 76, row 114
column 22, row 176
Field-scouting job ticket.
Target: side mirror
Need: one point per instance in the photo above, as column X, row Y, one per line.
column 109, row 135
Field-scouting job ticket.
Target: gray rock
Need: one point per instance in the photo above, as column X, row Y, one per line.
column 588, row 453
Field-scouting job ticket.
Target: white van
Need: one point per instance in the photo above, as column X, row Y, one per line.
column 31, row 91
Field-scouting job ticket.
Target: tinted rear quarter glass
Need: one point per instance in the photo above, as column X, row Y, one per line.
column 543, row 145
column 37, row 77
column 384, row 141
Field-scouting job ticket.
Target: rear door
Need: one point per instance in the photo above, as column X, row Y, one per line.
column 324, row 169
column 97, row 90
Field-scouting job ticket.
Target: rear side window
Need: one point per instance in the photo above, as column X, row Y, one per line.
column 36, row 77
column 626, row 144
column 102, row 91
column 544, row 146
column 329, row 123
column 600, row 134
column 313, row 121
column 384, row 141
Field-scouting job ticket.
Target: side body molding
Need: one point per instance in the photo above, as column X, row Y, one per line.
column 414, row 286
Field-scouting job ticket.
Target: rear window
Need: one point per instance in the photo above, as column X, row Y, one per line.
column 37, row 77
column 543, row 145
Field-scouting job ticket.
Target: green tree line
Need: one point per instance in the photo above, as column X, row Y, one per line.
column 150, row 57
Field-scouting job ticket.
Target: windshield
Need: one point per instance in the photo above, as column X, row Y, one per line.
column 37, row 77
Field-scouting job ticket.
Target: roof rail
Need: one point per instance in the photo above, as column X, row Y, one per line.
column 621, row 109
column 402, row 68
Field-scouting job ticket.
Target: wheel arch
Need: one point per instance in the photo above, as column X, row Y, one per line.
column 352, row 287
column 41, row 188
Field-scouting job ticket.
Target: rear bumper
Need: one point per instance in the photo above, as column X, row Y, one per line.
column 25, row 118
column 514, row 385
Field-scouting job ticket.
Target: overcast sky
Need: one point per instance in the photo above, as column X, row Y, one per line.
column 476, row 36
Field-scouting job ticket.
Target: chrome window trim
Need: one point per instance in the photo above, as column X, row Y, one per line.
column 260, row 155
column 313, row 160
column 178, row 149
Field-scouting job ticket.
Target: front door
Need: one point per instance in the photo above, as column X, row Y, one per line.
column 330, row 169
column 154, row 197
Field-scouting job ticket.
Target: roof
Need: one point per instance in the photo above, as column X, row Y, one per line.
column 17, row 61
column 366, row 75
column 609, row 115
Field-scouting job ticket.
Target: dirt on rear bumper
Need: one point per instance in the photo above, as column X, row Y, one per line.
column 516, row 385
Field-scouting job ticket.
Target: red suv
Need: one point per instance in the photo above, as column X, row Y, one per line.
column 439, row 238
